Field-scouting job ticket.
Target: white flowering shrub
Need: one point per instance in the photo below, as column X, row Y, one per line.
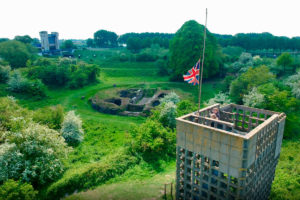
column 294, row 83
column 17, row 83
column 72, row 128
column 171, row 97
column 36, row 154
column 221, row 98
column 168, row 115
column 254, row 98
column 11, row 161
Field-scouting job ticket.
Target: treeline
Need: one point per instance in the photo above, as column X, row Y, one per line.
column 133, row 41
column 254, row 41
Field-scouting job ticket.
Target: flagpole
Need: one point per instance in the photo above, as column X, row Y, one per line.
column 201, row 71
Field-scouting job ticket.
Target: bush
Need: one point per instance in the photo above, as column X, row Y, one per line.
column 91, row 175
column 50, row 116
column 168, row 115
column 41, row 150
column 65, row 73
column 254, row 98
column 294, row 83
column 146, row 57
column 171, row 97
column 184, row 107
column 152, row 139
column 252, row 78
column 72, row 128
column 221, row 98
column 16, row 190
column 4, row 73
column 18, row 84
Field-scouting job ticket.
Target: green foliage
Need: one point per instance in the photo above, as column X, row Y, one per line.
column 51, row 116
column 90, row 42
column 71, row 128
column 163, row 67
column 221, row 98
column 68, row 44
column 65, row 73
column 4, row 73
column 286, row 184
column 186, row 47
column 103, row 38
column 152, row 139
column 227, row 82
column 284, row 60
column 26, row 39
column 91, row 175
column 18, row 84
column 15, row 53
column 233, row 52
column 16, row 190
column 253, row 41
column 184, row 107
column 252, row 78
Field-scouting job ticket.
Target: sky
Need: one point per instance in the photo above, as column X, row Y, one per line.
column 79, row 19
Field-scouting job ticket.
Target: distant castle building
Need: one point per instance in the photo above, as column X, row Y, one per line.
column 49, row 42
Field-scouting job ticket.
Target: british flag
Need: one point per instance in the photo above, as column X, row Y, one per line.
column 193, row 74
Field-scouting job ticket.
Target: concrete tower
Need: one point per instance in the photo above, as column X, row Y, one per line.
column 44, row 41
column 231, row 158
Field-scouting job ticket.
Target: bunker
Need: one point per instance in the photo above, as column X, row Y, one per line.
column 233, row 157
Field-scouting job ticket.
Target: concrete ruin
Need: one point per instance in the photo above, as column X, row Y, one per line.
column 231, row 158
column 129, row 102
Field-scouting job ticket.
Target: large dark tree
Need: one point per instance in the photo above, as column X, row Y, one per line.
column 103, row 38
column 15, row 53
column 186, row 48
column 25, row 39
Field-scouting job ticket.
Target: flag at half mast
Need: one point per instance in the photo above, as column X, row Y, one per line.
column 192, row 76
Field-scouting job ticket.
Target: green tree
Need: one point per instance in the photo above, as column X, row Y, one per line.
column 284, row 60
column 68, row 44
column 253, row 77
column 105, row 39
column 186, row 48
column 134, row 44
column 25, row 39
column 15, row 53
column 90, row 42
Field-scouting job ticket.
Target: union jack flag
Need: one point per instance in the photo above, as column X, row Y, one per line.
column 193, row 74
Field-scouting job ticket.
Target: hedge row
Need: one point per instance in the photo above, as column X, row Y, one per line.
column 91, row 175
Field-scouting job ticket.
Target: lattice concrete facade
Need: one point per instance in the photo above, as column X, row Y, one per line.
column 231, row 158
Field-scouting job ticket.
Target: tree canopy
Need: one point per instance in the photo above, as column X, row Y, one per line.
column 186, row 48
column 15, row 53
column 253, row 41
column 105, row 39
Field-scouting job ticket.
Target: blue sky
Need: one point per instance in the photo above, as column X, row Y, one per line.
column 79, row 19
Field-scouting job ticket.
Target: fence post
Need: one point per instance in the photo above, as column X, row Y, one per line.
column 165, row 191
column 172, row 190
